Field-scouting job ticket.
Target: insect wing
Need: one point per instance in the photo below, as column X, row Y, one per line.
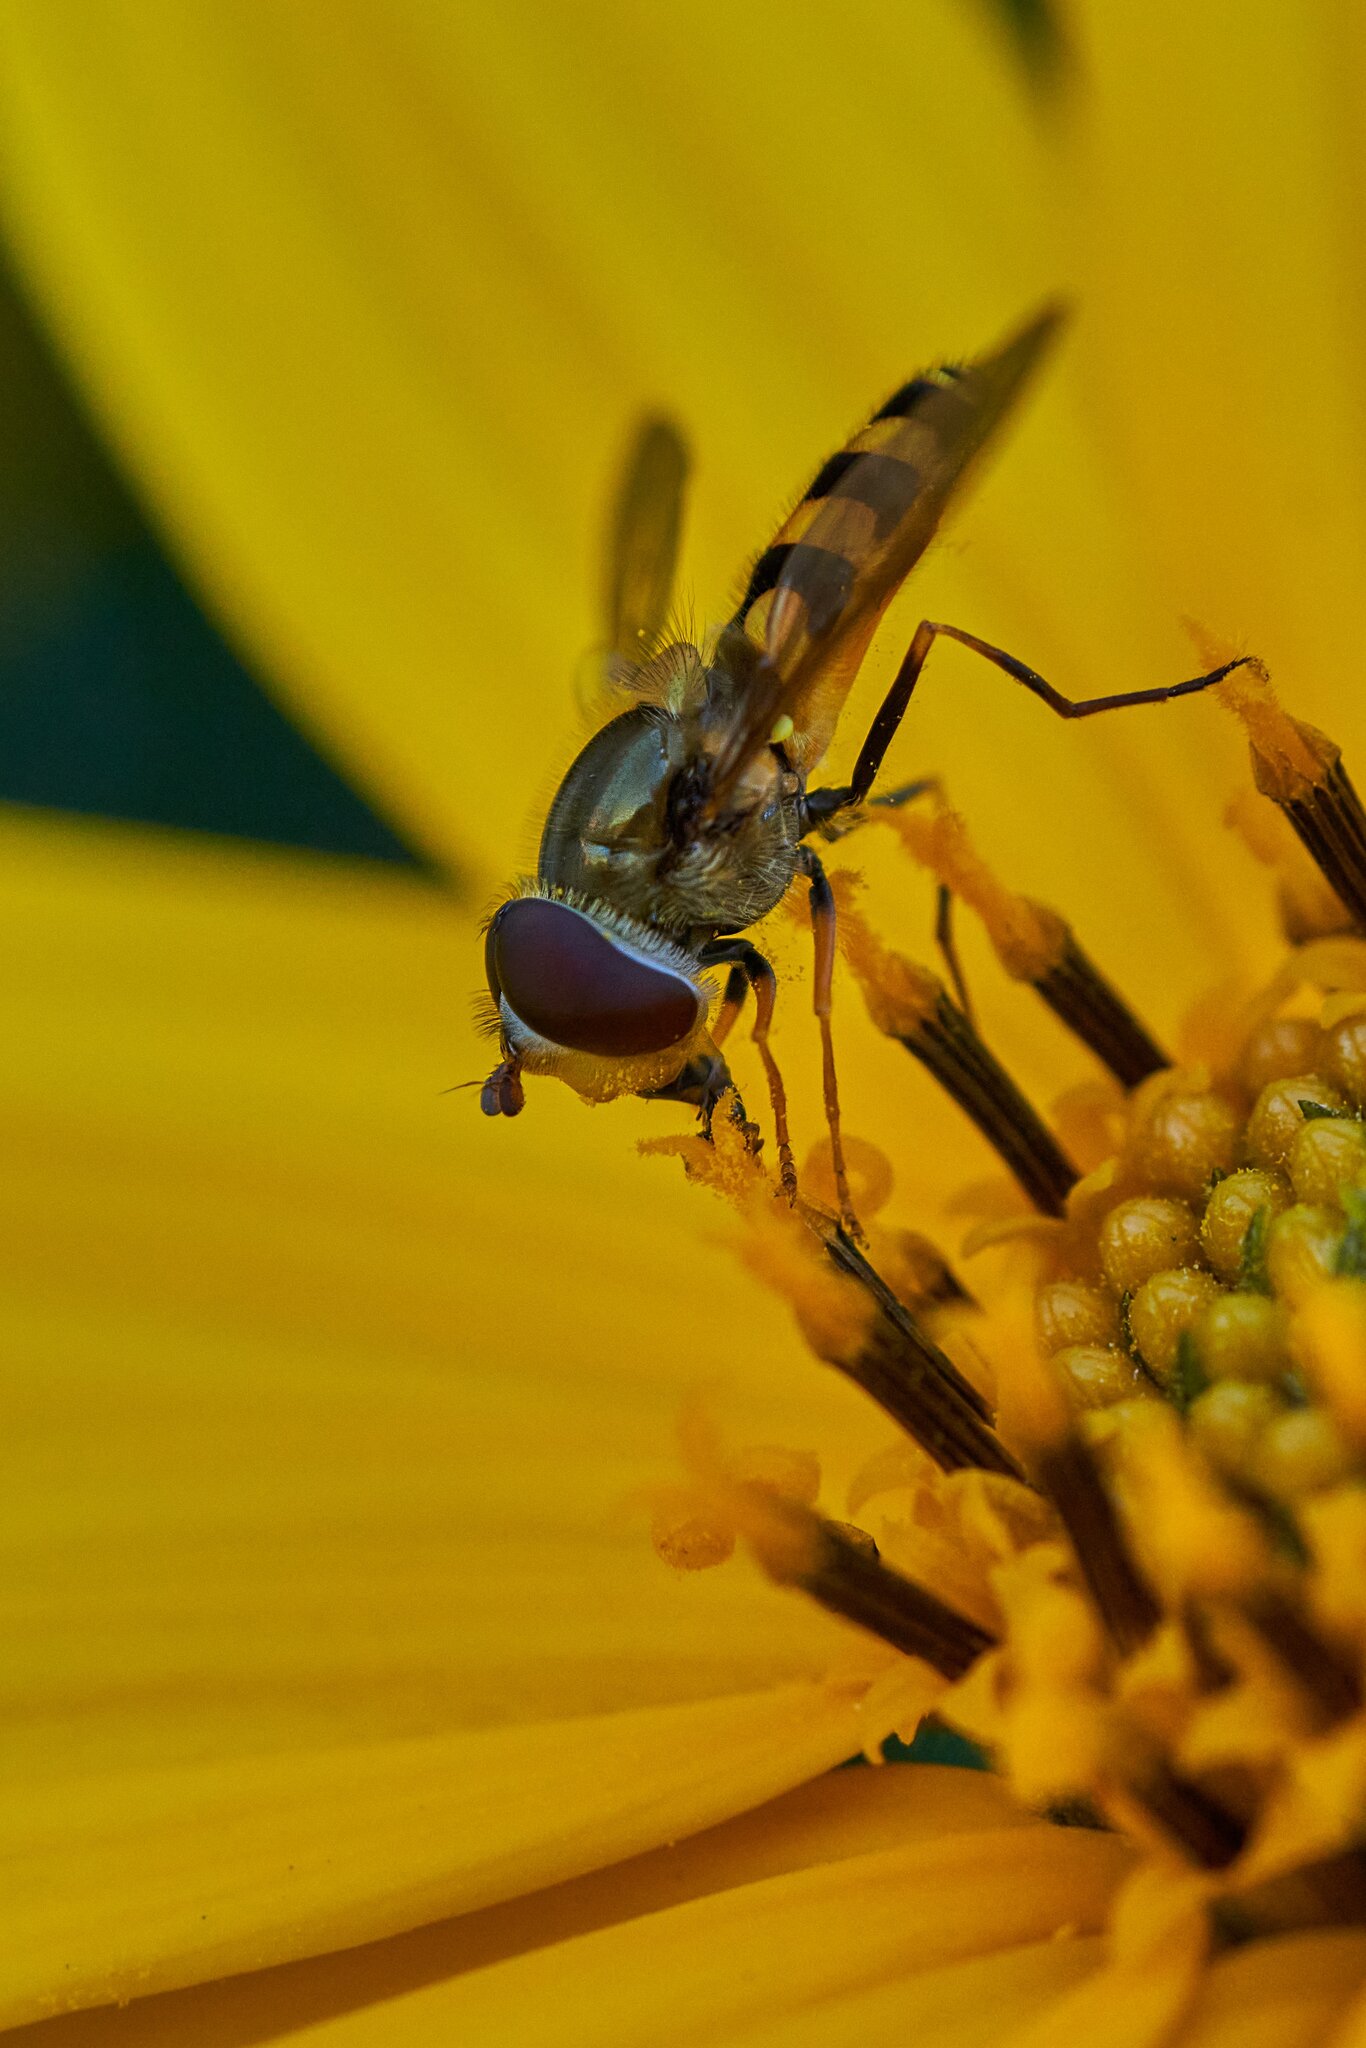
column 642, row 543
column 815, row 596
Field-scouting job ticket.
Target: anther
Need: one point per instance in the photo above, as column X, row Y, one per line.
column 948, row 1047
column 840, row 1570
column 908, row 1003
column 1301, row 770
column 1032, row 943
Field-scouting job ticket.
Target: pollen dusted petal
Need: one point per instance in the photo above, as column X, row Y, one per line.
column 774, row 1962
column 155, row 1879
column 841, row 1815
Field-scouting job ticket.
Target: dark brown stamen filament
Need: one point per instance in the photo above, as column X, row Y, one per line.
column 1329, row 1893
column 848, row 1578
column 1326, row 1677
column 1124, row 1600
column 1207, row 1831
column 901, row 1368
column 1331, row 826
column 1080, row 997
column 947, row 1046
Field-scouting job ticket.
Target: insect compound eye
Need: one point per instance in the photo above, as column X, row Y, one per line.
column 570, row 983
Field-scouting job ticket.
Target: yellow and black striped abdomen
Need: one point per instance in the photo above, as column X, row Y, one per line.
column 816, row 593
column 895, row 472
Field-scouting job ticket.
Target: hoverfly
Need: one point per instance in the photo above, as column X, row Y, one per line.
column 687, row 817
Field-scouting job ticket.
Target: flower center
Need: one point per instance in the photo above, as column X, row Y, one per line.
column 1126, row 1550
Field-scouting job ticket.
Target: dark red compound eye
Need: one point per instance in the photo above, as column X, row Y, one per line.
column 567, row 982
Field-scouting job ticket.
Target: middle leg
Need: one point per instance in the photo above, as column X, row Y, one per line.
column 824, row 930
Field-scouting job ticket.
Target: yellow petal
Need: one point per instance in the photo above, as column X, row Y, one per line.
column 454, row 250
column 1283, row 1993
column 960, row 2005
column 1224, row 340
column 721, row 1968
column 126, row 1885
column 846, row 1813
column 1147, row 1984
column 300, row 1479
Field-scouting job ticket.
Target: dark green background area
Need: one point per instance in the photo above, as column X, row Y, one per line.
column 117, row 695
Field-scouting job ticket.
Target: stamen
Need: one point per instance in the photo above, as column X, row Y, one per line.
column 1033, row 944
column 1309, row 908
column 910, row 1004
column 1124, row 1600
column 1328, row 1680
column 841, row 1570
column 900, row 1367
column 1301, row 770
column 1329, row 1893
column 1208, row 1832
column 1080, row 997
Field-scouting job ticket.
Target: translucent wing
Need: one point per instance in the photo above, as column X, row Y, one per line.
column 642, row 543
column 815, row 596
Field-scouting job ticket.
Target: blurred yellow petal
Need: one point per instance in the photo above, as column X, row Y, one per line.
column 1226, row 338
column 130, row 1884
column 1285, row 1993
column 745, row 1963
column 960, row 2005
column 293, row 1467
column 848, row 1813
column 421, row 583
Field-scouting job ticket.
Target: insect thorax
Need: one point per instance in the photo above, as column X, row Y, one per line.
column 608, row 832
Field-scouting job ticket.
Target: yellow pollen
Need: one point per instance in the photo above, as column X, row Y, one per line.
column 1289, row 758
column 900, row 995
column 1028, row 938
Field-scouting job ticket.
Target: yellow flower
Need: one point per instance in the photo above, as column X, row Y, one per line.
column 323, row 1621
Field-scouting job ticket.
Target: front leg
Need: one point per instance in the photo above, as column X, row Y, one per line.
column 703, row 1083
column 764, row 982
column 823, row 929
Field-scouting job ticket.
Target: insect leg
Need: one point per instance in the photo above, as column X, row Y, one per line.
column 761, row 978
column 733, row 1001
column 823, row 928
column 827, row 811
column 894, row 704
column 823, row 809
column 948, row 949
